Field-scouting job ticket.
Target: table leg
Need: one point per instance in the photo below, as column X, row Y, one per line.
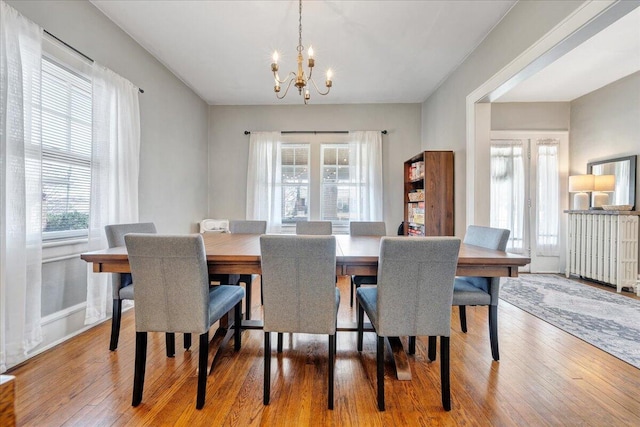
column 403, row 370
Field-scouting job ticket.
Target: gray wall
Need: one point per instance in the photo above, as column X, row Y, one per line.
column 229, row 147
column 173, row 149
column 606, row 124
column 444, row 112
column 530, row 116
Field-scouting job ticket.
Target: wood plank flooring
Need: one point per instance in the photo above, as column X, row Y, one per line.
column 545, row 377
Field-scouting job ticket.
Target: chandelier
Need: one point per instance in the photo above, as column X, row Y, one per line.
column 300, row 79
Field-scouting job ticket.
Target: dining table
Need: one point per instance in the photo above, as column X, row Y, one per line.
column 229, row 253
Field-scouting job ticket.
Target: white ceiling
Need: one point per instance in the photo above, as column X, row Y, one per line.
column 379, row 51
column 606, row 57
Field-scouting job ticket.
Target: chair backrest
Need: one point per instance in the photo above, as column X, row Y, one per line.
column 415, row 285
column 172, row 282
column 248, row 227
column 490, row 238
column 115, row 232
column 487, row 237
column 367, row 228
column 115, row 237
column 314, row 228
column 299, row 283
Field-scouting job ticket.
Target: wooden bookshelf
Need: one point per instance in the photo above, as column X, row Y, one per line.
column 429, row 194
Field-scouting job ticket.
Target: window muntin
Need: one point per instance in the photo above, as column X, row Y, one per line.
column 66, row 151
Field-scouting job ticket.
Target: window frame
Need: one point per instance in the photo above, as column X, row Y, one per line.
column 315, row 142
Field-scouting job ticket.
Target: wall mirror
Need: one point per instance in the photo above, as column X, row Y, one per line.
column 624, row 170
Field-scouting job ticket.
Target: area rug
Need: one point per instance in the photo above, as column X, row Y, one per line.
column 604, row 319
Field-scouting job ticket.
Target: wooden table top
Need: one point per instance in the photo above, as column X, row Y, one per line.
column 240, row 253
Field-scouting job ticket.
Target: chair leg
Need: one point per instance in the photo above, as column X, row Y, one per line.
column 115, row 324
column 493, row 331
column 237, row 338
column 247, row 309
column 353, row 291
column 431, row 349
column 380, row 372
column 203, row 356
column 187, row 341
column 463, row 318
column 444, row 373
column 267, row 368
column 170, row 339
column 261, row 293
column 279, row 342
column 332, row 362
column 412, row 345
column 360, row 326
column 139, row 367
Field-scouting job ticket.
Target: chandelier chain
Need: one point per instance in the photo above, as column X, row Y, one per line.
column 300, row 47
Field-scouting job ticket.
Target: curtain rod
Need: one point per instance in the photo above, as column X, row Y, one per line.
column 76, row 50
column 315, row 132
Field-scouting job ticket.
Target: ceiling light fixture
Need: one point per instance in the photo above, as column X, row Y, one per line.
column 299, row 78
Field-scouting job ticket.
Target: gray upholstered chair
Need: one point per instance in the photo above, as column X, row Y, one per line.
column 122, row 285
column 364, row 228
column 173, row 295
column 314, row 228
column 413, row 297
column 300, row 294
column 248, row 227
column 481, row 290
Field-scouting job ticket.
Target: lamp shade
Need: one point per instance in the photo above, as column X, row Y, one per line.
column 581, row 183
column 604, row 182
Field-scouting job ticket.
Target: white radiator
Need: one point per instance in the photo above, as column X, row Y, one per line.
column 603, row 246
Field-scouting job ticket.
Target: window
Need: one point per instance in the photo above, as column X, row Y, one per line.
column 66, row 151
column 336, row 185
column 295, row 182
column 310, row 177
column 315, row 180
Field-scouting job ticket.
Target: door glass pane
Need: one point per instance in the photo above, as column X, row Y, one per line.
column 547, row 197
column 507, row 190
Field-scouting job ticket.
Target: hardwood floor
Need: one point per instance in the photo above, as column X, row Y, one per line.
column 545, row 377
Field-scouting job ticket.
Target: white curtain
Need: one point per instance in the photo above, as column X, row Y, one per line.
column 547, row 199
column 114, row 173
column 365, row 174
column 264, row 180
column 20, row 187
column 507, row 190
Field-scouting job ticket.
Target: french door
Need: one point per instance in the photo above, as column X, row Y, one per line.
column 528, row 193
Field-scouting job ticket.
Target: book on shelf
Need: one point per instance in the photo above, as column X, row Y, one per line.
column 416, row 195
column 416, row 171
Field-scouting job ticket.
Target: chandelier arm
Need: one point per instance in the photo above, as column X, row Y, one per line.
column 288, row 79
column 318, row 90
column 286, row 90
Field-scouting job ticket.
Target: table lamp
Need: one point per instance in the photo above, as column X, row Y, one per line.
column 581, row 185
column 602, row 184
